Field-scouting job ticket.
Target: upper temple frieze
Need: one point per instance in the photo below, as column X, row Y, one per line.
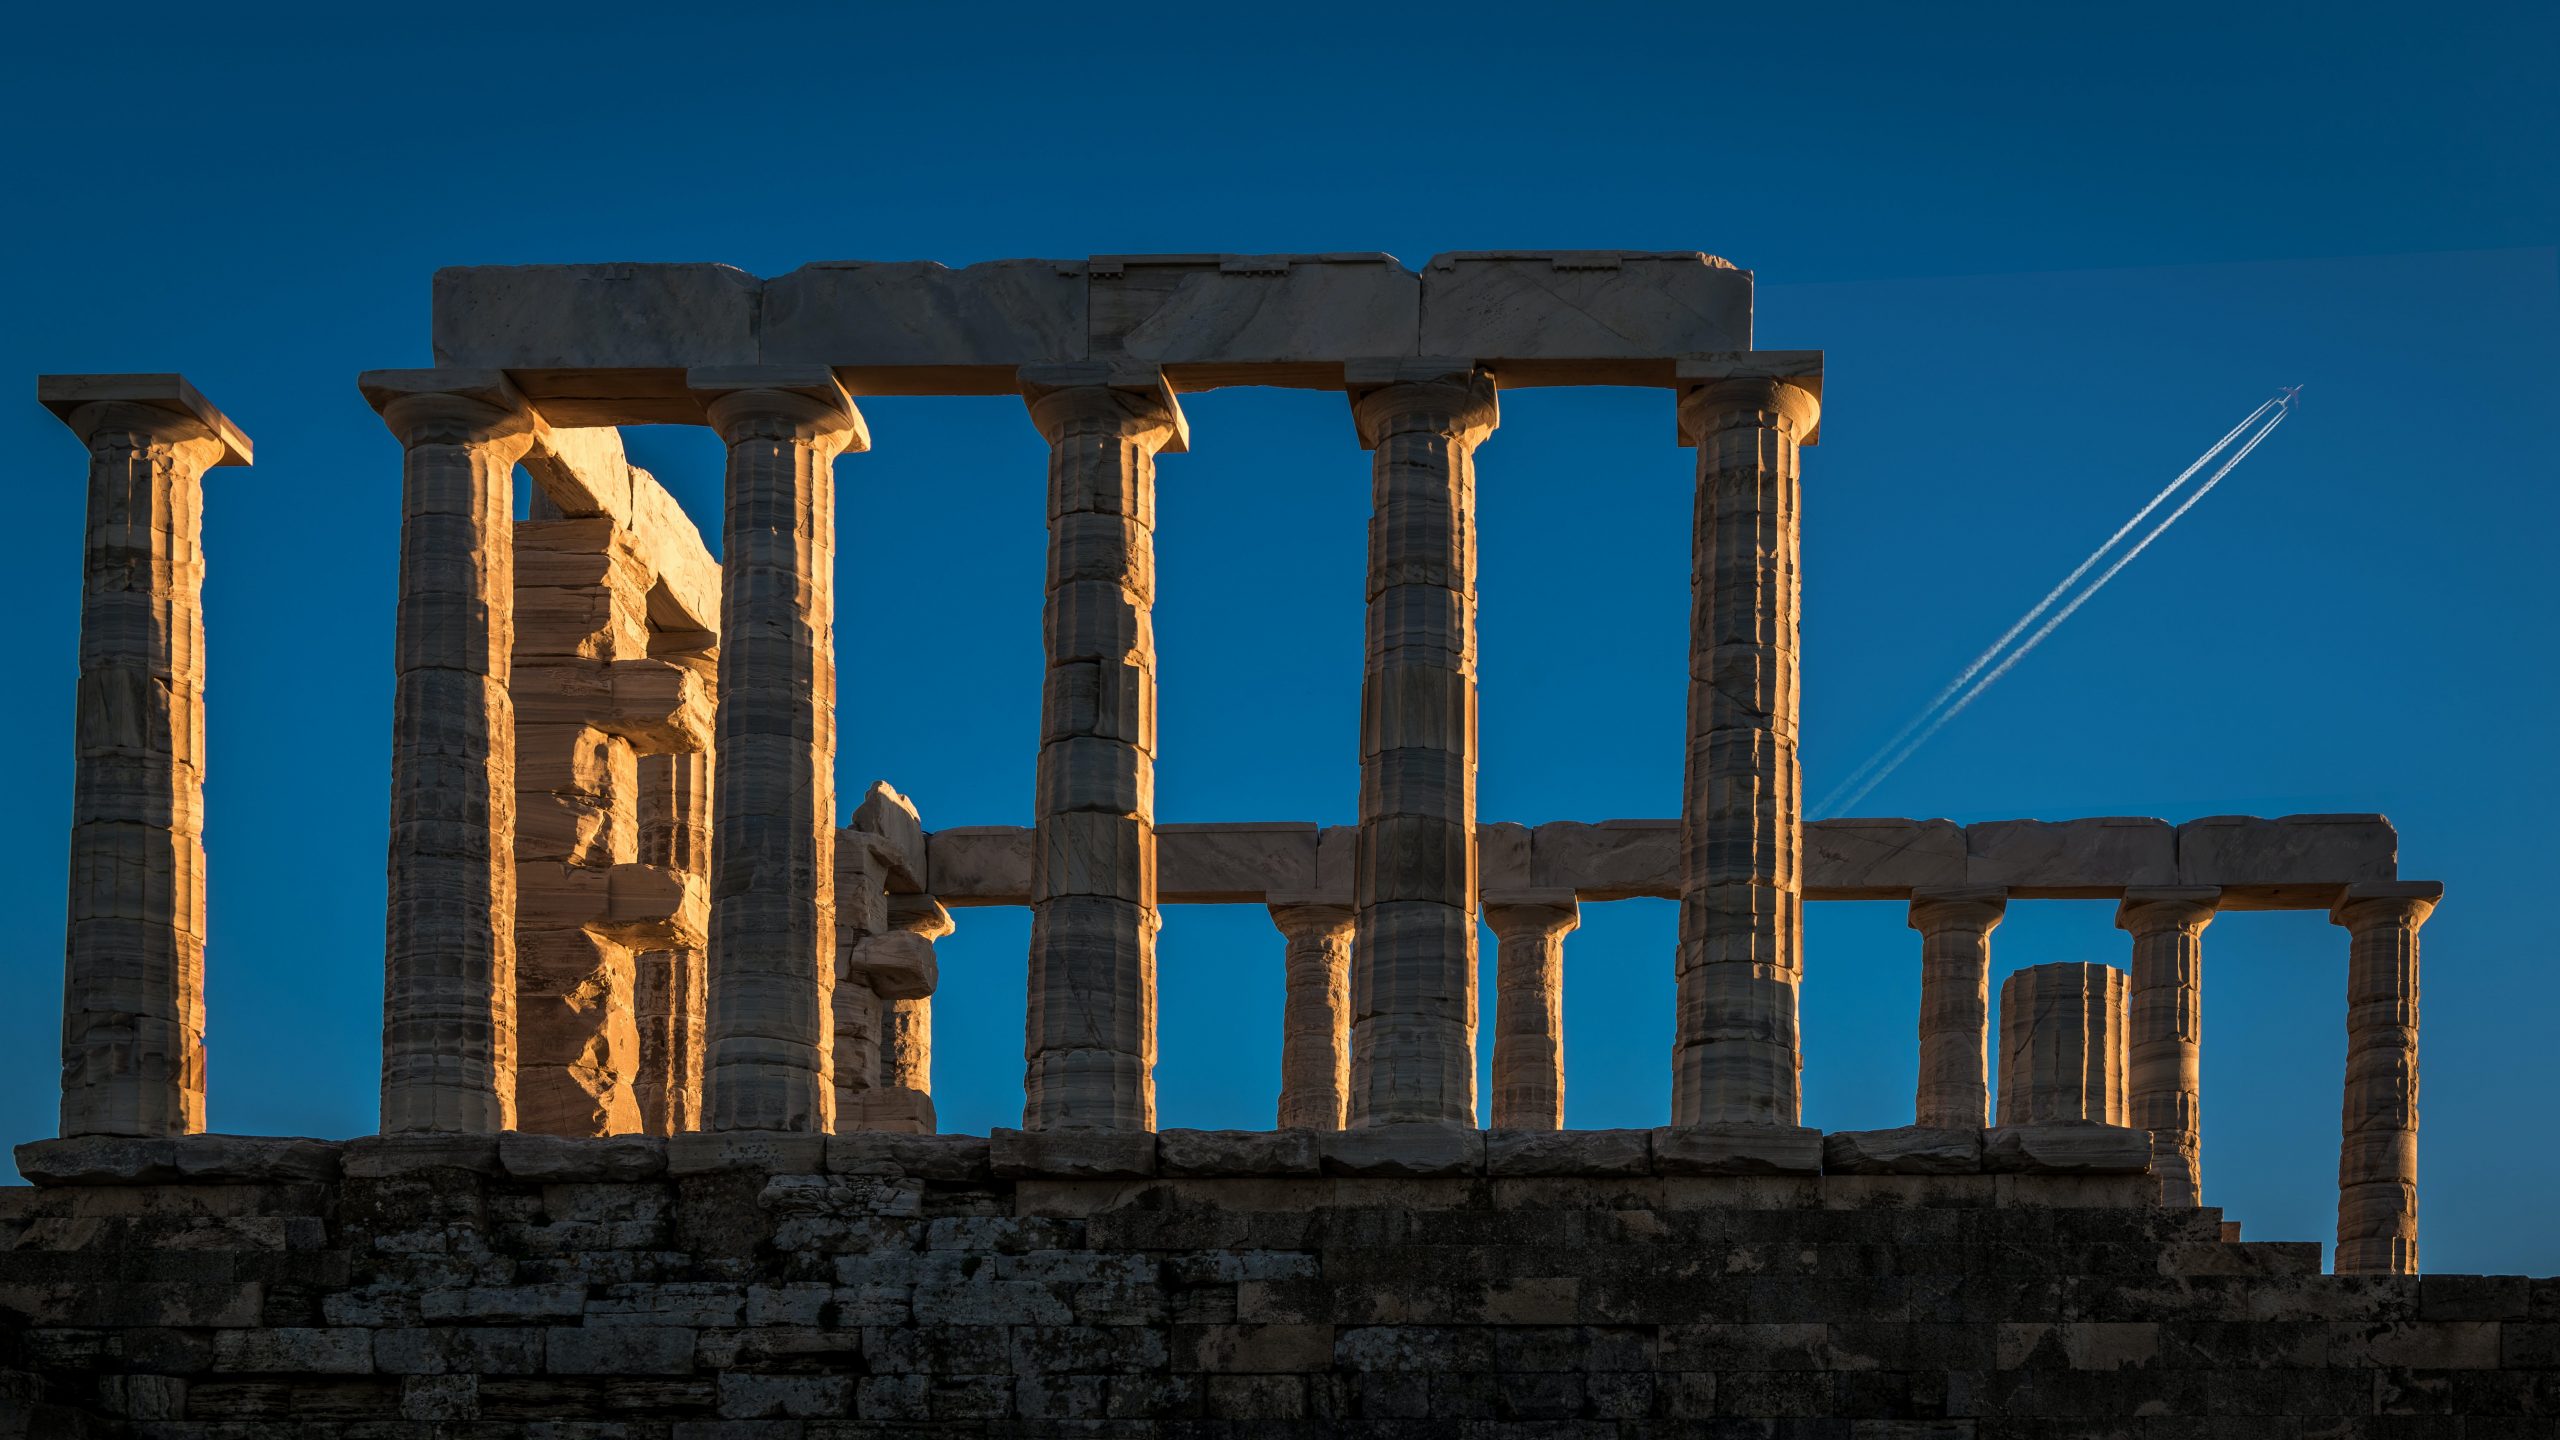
column 1536, row 317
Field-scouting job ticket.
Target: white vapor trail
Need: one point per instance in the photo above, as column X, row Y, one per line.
column 2049, row 626
column 1828, row 805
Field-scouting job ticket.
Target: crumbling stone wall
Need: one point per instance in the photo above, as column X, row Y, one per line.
column 804, row 1288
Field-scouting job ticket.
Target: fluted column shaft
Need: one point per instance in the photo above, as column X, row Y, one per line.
column 449, row 1011
column 1090, row 1030
column 2165, row 1032
column 1413, row 978
column 2062, row 1045
column 1955, row 928
column 2378, row 1144
column 1528, row 1015
column 133, row 963
column 906, row 1023
column 769, row 1039
column 1736, row 1056
column 1315, row 1024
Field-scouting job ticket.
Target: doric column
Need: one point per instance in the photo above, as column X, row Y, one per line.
column 1315, row 1025
column 1090, row 1032
column 133, row 963
column 2378, row 1145
column 905, row 1094
column 2062, row 1045
column 1736, row 1058
column 671, row 983
column 1413, row 983
column 770, row 1033
column 449, row 981
column 1528, row 1017
column 2165, row 1030
column 1955, row 925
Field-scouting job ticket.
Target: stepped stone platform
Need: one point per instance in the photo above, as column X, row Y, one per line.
column 796, row 1287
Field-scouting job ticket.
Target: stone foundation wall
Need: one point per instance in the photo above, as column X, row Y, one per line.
column 799, row 1288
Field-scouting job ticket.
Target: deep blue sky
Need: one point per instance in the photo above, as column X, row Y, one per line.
column 2050, row 257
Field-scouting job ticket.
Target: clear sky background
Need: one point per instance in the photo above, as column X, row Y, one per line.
column 2051, row 258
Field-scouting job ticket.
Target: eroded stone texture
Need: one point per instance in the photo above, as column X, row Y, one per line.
column 1090, row 1034
column 133, row 1060
column 2062, row 1045
column 748, row 1294
column 2165, row 1030
column 671, row 987
column 591, row 701
column 903, row 1100
column 1955, row 925
column 449, row 985
column 1527, row 306
column 1413, row 983
column 1736, row 1058
column 1315, row 1022
column 886, row 971
column 1529, row 927
column 769, row 1037
column 2378, row 1148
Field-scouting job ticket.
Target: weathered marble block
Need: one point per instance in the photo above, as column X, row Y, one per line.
column 1880, row 859
column 1520, row 307
column 880, row 314
column 1213, row 310
column 2291, row 860
column 2071, row 859
column 535, row 317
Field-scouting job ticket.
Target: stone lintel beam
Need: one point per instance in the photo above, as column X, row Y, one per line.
column 1242, row 863
column 609, row 344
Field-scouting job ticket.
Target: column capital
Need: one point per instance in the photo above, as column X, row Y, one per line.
column 1958, row 907
column 1134, row 400
column 803, row 404
column 1719, row 392
column 453, row 407
column 2154, row 909
column 1447, row 396
column 1294, row 914
column 2386, row 902
column 162, row 406
column 921, row 915
column 1531, row 913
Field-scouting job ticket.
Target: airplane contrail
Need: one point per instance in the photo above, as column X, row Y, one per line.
column 2056, row 593
column 1987, row 681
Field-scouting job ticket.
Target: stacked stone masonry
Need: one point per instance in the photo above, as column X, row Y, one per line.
column 804, row 1288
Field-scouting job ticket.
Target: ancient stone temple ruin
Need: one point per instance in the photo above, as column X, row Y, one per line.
column 658, row 1152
